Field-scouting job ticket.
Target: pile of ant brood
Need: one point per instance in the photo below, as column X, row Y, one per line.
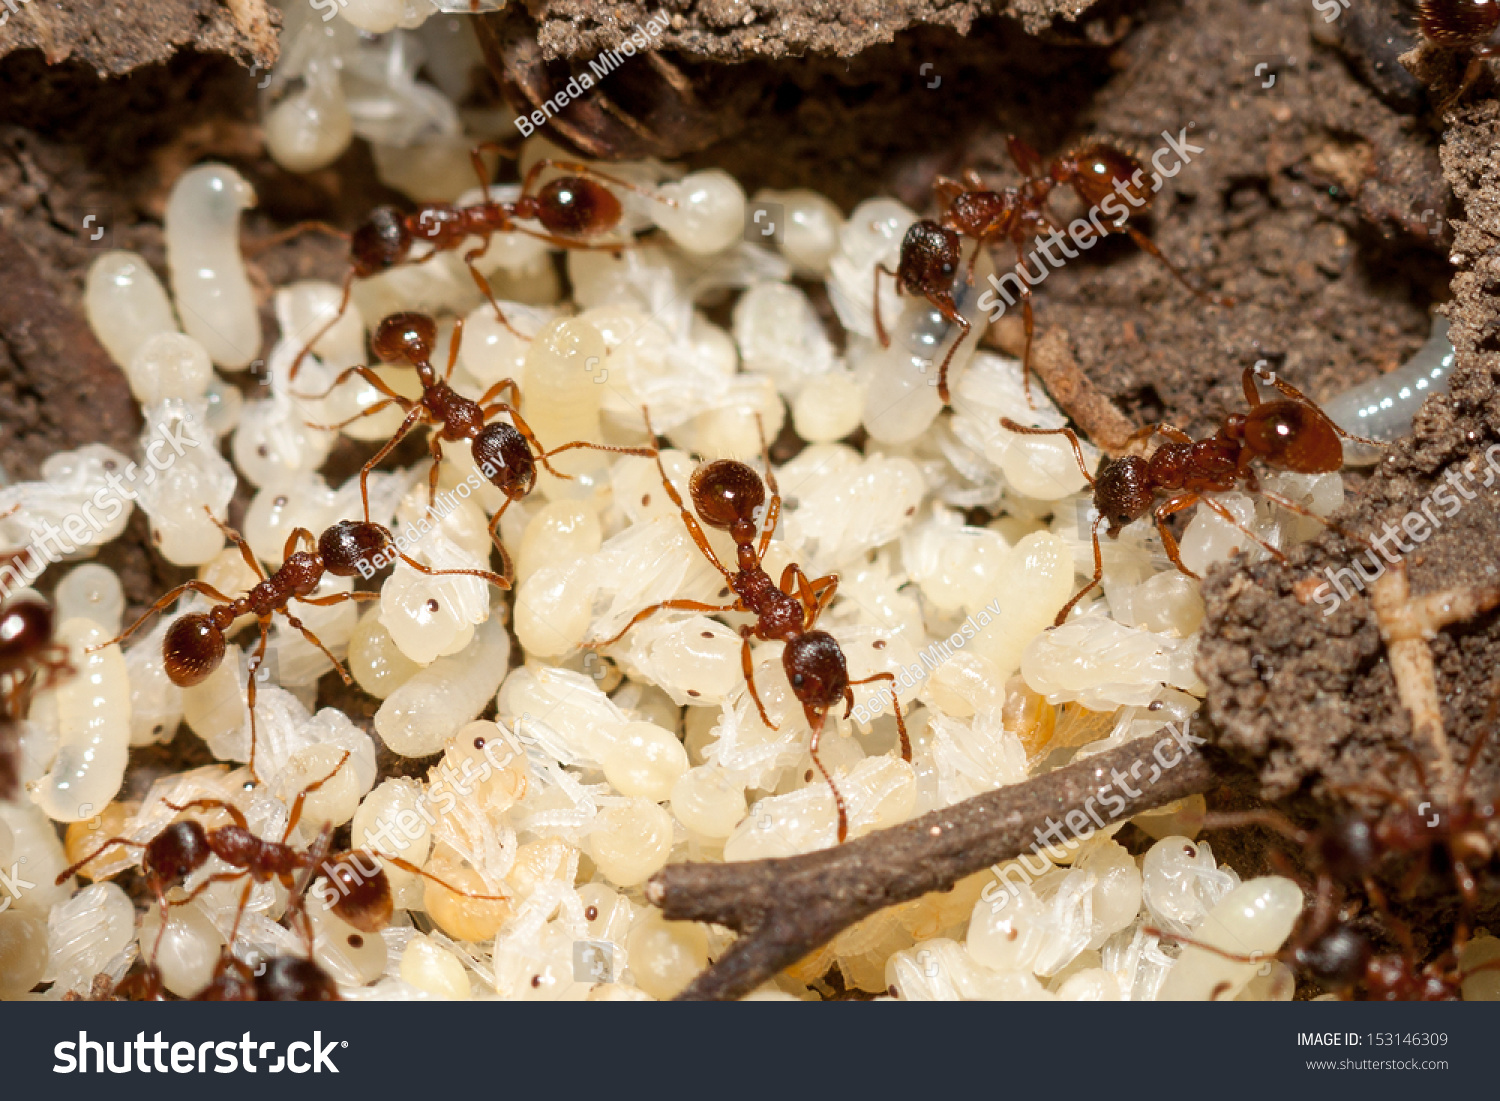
column 600, row 769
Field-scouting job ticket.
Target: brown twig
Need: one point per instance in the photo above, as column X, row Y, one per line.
column 1094, row 414
column 785, row 908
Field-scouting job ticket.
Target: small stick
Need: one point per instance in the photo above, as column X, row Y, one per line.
column 1078, row 397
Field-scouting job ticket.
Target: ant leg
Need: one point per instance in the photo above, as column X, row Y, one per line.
column 643, row 452
column 365, row 372
column 1147, row 245
column 815, row 719
column 253, row 667
column 238, row 540
column 1269, row 819
column 281, row 237
column 773, row 511
column 1167, row 508
column 695, row 530
column 338, row 666
column 814, row 595
column 665, row 605
column 408, row 866
column 296, row 815
column 1067, row 609
column 748, row 666
column 885, row 340
column 339, row 598
column 476, row 158
column 407, row 425
column 435, row 446
column 945, row 305
column 233, row 811
column 507, row 567
column 298, row 534
column 1219, row 509
column 1027, row 160
column 895, row 702
column 1028, row 320
column 217, row 877
column 483, row 575
column 483, row 284
column 203, row 588
column 114, row 842
column 1011, row 426
column 946, row 188
column 327, row 328
column 499, row 388
column 378, row 407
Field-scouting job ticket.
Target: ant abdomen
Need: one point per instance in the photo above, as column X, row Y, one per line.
column 816, row 670
column 293, row 979
column 505, row 457
column 192, row 648
column 1457, row 23
column 406, row 335
column 1294, row 437
column 1337, row 959
column 726, row 492
column 1098, row 168
column 577, row 207
column 25, row 627
column 359, row 891
column 381, row 242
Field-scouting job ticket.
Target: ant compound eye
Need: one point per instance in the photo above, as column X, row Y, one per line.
column 798, row 680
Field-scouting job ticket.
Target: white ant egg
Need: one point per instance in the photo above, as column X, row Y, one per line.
column 375, row 661
column 430, row 967
column 91, row 592
column 169, row 365
column 666, row 955
column 708, row 214
column 187, row 951
column 644, row 760
column 630, row 841
column 706, row 802
column 126, row 304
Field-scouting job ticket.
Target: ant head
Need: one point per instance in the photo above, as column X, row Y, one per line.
column 1458, row 23
column 1338, row 958
column 505, row 458
column 364, row 900
column 302, row 571
column 726, row 492
column 348, row 543
column 382, row 241
column 192, row 649
column 577, row 207
column 929, row 258
column 293, row 979
column 1293, row 436
column 1096, row 170
column 25, row 628
column 816, row 670
column 1123, row 492
column 180, row 849
column 408, row 336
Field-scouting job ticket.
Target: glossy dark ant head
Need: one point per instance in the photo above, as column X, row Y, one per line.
column 344, row 545
column 359, row 890
column 816, row 670
column 1337, row 959
column 505, row 458
column 192, row 648
column 1123, row 493
column 405, row 336
column 25, row 630
column 381, row 242
column 293, row 979
column 179, row 850
column 930, row 257
column 1095, row 170
column 726, row 492
column 574, row 207
column 1290, row 436
column 1457, row 24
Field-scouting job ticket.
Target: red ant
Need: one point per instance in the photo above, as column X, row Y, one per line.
column 571, row 209
column 1465, row 25
column 359, row 891
column 194, row 645
column 931, row 251
column 29, row 661
column 729, row 496
column 1290, row 434
column 507, row 453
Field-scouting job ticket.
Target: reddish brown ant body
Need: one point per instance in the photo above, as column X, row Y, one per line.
column 194, row 645
column 571, row 209
column 507, row 453
column 1289, row 433
column 931, row 252
column 729, row 496
column 1461, row 25
column 29, row 661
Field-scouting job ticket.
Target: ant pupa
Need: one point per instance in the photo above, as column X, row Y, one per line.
column 730, row 496
column 506, row 452
column 1289, row 433
column 932, row 250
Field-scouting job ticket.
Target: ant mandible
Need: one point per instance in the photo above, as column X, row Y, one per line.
column 729, row 496
column 571, row 209
column 1289, row 433
column 507, row 453
column 193, row 646
column 931, row 252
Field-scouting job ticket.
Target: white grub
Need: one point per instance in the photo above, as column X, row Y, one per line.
column 83, row 494
column 84, row 934
column 193, row 490
column 209, row 283
column 1253, row 920
column 418, row 717
column 126, row 304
